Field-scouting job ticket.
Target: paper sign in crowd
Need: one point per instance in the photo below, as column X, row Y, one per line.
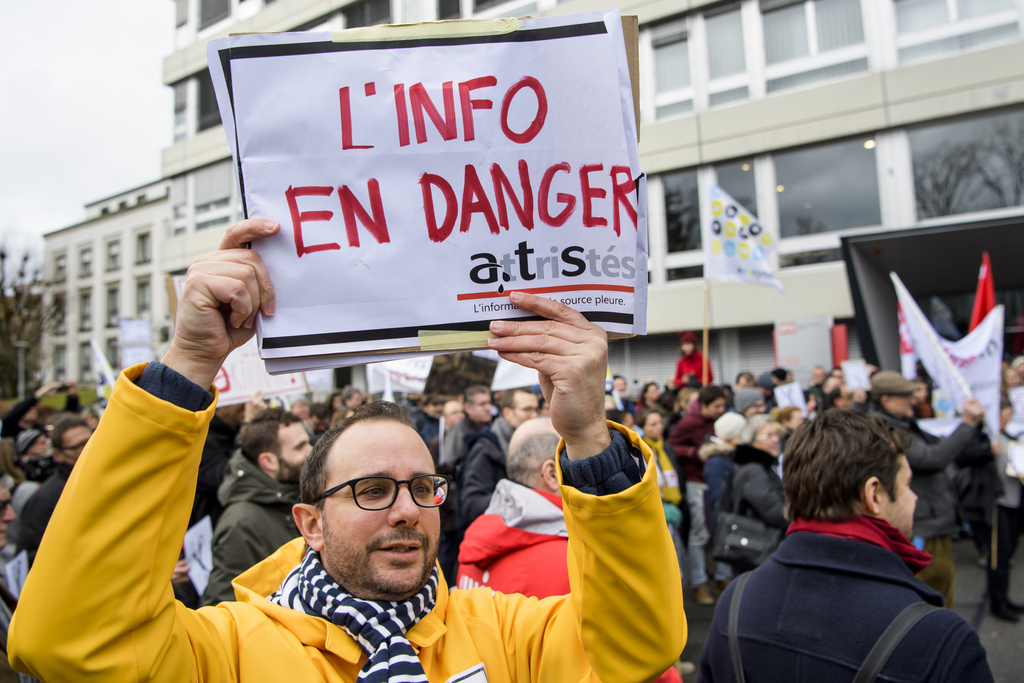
column 418, row 179
column 791, row 394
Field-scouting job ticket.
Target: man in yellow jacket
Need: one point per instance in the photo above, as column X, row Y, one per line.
column 359, row 596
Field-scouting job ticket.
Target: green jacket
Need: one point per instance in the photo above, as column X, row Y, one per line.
column 257, row 520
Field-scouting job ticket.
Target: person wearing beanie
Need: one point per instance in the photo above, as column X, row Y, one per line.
column 717, row 454
column 748, row 402
column 690, row 367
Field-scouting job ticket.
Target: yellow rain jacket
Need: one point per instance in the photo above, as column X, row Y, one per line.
column 98, row 604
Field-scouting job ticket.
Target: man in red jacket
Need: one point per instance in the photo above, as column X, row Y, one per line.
column 686, row 438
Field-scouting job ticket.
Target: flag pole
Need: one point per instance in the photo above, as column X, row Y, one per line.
column 705, row 359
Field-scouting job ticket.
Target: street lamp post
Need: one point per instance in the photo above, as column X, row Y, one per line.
column 21, row 346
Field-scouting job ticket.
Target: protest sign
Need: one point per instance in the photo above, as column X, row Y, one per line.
column 735, row 243
column 855, row 375
column 1015, row 460
column 418, row 179
column 199, row 553
column 320, row 380
column 242, row 373
column 791, row 394
column 409, row 375
column 15, row 573
column 969, row 367
column 509, row 375
column 105, row 375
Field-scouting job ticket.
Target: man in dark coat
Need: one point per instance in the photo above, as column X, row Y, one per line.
column 845, row 571
column 258, row 493
column 69, row 437
column 935, row 515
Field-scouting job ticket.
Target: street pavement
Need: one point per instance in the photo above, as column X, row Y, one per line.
column 1003, row 641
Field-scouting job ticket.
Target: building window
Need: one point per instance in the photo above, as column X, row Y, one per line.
column 737, row 178
column 809, row 182
column 85, row 362
column 85, row 310
column 212, row 11
column 672, row 85
column 975, row 164
column 60, row 267
column 143, row 251
column 85, row 262
column 142, row 297
column 448, row 9
column 368, row 13
column 682, row 210
column 208, row 113
column 113, row 255
column 684, row 273
column 180, row 12
column 212, row 187
column 113, row 310
column 179, row 103
column 725, row 43
column 932, row 28
column 59, row 313
column 113, row 357
column 60, row 360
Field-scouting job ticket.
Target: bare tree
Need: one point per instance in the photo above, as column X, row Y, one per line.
column 942, row 177
column 22, row 316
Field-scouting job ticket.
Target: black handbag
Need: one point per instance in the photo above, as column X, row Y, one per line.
column 742, row 541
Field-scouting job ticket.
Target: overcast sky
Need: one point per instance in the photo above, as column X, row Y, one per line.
column 83, row 109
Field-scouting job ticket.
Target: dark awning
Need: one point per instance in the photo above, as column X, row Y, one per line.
column 930, row 261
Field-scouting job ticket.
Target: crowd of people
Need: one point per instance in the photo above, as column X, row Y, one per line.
column 330, row 515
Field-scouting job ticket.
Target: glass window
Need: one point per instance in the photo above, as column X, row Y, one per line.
column 912, row 15
column 142, row 248
column 820, row 74
column 85, row 262
column 673, row 109
column 60, row 267
column 682, row 210
column 113, row 298
column 839, row 23
column 60, row 360
column 785, row 33
column 113, row 357
column 85, row 362
column 974, row 164
column 671, row 56
column 966, row 41
column 737, row 178
column 113, row 255
column 142, row 297
column 733, row 95
column 85, row 310
column 725, row 44
column 209, row 114
column 212, row 11
column 180, row 12
column 367, row 13
column 179, row 103
column 827, row 188
column 448, row 9
column 972, row 8
column 684, row 273
column 59, row 313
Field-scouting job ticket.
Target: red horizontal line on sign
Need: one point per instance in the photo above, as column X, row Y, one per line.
column 547, row 290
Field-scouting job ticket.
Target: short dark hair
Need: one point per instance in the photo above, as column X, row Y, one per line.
column 63, row 424
column 321, row 411
column 476, row 390
column 615, row 415
column 260, row 435
column 710, row 394
column 829, row 459
column 743, row 374
column 508, row 399
column 642, row 415
column 313, row 481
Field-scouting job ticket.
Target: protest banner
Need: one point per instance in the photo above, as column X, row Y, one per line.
column 105, row 375
column 971, row 366
column 242, row 374
column 198, row 550
column 855, row 375
column 735, row 244
column 791, row 394
column 421, row 172
column 409, row 375
column 509, row 375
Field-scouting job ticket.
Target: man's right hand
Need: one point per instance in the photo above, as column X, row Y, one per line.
column 973, row 412
column 223, row 294
column 47, row 389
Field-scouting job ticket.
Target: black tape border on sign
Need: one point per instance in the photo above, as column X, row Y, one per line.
column 292, row 49
column 406, row 332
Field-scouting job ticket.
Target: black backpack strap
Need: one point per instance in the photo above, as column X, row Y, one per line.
column 890, row 638
column 734, row 620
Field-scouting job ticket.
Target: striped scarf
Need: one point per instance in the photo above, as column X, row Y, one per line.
column 378, row 626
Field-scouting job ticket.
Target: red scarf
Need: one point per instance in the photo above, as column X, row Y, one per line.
column 868, row 530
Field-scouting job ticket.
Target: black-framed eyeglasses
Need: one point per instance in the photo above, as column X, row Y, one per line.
column 380, row 493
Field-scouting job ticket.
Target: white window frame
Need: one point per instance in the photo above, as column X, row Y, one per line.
column 956, row 26
column 648, row 76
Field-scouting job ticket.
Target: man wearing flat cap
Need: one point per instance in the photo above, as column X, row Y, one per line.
column 935, row 514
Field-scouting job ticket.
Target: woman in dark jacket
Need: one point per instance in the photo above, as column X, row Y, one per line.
column 979, row 485
column 756, row 484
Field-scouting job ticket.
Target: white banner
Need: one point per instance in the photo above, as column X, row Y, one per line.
column 735, row 244
column 969, row 367
column 243, row 373
column 855, row 375
column 105, row 375
column 416, row 184
column 408, row 375
column 791, row 394
column 509, row 375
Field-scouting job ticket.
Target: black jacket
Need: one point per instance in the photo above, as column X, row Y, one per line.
column 979, row 483
column 478, row 474
column 813, row 612
column 39, row 508
column 10, row 427
column 220, row 444
column 756, row 487
column 929, row 456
